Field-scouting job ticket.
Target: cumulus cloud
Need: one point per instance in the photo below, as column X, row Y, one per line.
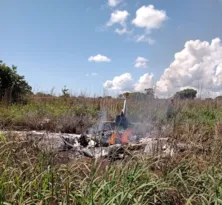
column 118, row 17
column 125, row 83
column 141, row 62
column 119, row 84
column 99, row 58
column 114, row 3
column 198, row 65
column 145, row 81
column 150, row 18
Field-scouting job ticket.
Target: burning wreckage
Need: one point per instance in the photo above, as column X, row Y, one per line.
column 116, row 139
column 111, row 139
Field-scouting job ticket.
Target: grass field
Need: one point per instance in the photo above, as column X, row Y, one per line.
column 31, row 176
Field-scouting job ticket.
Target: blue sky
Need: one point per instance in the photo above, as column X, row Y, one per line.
column 51, row 41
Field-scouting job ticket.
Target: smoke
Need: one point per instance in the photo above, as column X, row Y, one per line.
column 99, row 125
column 103, row 117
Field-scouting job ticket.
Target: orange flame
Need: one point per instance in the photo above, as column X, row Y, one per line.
column 112, row 139
column 125, row 136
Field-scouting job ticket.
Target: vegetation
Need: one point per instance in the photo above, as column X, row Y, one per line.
column 31, row 176
column 186, row 94
column 13, row 87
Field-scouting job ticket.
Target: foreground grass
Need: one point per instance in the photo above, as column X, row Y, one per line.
column 30, row 176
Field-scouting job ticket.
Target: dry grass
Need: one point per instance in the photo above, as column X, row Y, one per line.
column 71, row 115
column 30, row 176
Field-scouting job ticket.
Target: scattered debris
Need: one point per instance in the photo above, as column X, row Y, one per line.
column 83, row 140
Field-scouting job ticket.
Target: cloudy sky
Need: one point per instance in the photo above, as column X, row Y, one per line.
column 114, row 46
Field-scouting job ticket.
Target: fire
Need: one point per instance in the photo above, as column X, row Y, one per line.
column 122, row 136
column 125, row 136
column 112, row 139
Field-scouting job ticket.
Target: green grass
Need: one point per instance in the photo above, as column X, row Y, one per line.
column 30, row 176
column 34, row 114
column 60, row 111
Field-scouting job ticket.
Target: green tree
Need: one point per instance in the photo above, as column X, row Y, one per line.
column 13, row 87
column 186, row 94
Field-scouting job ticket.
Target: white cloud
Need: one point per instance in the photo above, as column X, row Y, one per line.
column 145, row 81
column 119, row 84
column 198, row 65
column 144, row 38
column 125, row 83
column 91, row 74
column 99, row 58
column 141, row 62
column 114, row 3
column 150, row 18
column 119, row 17
column 121, row 31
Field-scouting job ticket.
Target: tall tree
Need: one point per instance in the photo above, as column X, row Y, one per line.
column 13, row 86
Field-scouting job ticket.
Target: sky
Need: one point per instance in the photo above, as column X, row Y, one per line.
column 113, row 46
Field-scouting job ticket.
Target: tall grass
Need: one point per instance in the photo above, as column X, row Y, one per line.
column 57, row 114
column 32, row 176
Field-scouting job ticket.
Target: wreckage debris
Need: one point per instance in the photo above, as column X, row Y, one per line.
column 113, row 152
column 92, row 146
column 116, row 152
column 89, row 145
column 84, row 152
column 68, row 143
column 83, row 140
